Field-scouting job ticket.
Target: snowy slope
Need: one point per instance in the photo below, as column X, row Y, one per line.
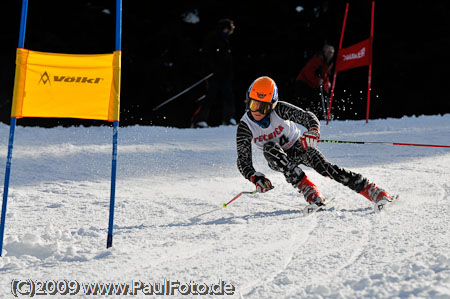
column 169, row 223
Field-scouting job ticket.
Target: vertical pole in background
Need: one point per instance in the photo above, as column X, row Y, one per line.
column 370, row 63
column 12, row 129
column 115, row 134
column 335, row 73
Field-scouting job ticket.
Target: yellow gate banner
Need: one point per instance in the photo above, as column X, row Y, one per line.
column 67, row 85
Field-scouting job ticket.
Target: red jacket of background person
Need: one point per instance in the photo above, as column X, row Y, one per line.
column 314, row 70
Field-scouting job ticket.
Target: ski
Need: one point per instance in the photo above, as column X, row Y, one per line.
column 313, row 208
column 384, row 203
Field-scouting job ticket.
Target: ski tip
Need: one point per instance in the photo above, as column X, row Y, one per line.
column 224, row 205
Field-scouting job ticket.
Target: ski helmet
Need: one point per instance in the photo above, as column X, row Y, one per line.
column 262, row 95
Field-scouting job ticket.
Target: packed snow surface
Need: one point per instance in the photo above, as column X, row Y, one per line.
column 170, row 223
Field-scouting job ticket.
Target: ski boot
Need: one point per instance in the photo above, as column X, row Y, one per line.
column 311, row 192
column 377, row 195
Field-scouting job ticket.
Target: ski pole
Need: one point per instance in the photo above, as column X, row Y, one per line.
column 236, row 197
column 323, row 103
column 383, row 143
column 184, row 91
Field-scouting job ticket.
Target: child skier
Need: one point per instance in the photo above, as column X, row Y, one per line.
column 270, row 125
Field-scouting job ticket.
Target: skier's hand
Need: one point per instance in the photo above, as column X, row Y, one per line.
column 262, row 183
column 310, row 138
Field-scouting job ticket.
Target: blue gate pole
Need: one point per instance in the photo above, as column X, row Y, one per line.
column 12, row 129
column 115, row 134
column 113, row 185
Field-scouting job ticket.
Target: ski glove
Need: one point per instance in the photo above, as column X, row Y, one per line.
column 262, row 183
column 310, row 138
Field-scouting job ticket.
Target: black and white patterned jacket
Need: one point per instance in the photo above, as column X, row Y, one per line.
column 245, row 137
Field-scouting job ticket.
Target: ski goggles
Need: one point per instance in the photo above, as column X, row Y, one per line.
column 261, row 107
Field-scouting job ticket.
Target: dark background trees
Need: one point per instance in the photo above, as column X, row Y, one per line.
column 161, row 51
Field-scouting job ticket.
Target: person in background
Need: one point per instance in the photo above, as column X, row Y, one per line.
column 218, row 60
column 314, row 79
column 271, row 126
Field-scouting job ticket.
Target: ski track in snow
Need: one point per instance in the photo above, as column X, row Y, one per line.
column 170, row 224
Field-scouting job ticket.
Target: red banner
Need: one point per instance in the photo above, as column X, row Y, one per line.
column 359, row 54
